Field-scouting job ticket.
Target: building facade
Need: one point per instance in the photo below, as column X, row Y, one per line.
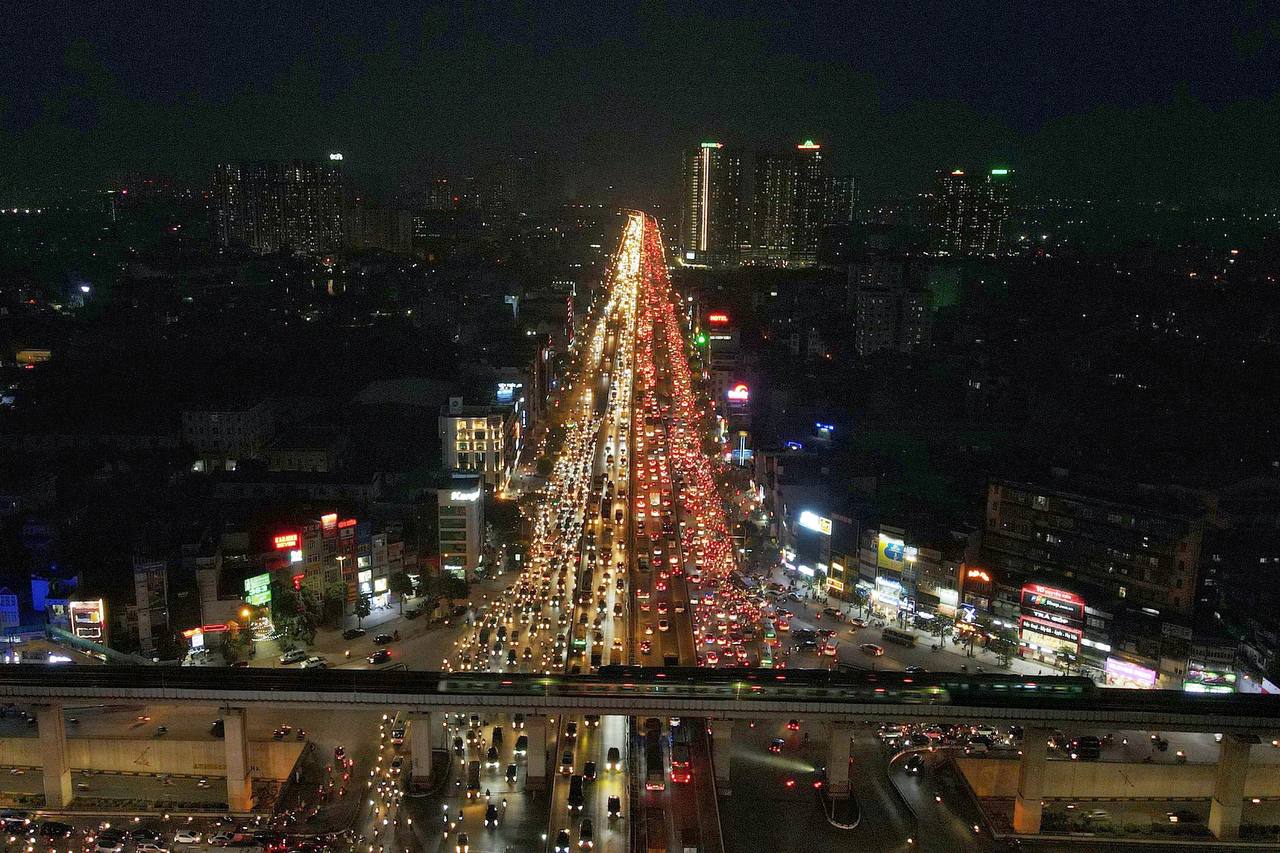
column 460, row 522
column 279, row 206
column 485, row 440
column 970, row 211
column 711, row 228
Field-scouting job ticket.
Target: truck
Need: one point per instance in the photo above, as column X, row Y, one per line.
column 655, row 771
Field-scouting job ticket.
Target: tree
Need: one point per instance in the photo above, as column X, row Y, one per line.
column 402, row 585
column 364, row 606
column 860, row 599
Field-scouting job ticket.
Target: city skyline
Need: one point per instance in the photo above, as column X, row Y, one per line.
column 403, row 91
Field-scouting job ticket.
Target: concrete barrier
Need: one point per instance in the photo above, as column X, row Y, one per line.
column 1113, row 780
column 268, row 759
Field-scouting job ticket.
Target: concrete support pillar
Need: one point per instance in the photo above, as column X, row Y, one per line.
column 536, row 768
column 422, row 735
column 1228, row 789
column 239, row 773
column 1027, row 807
column 722, row 753
column 838, row 761
column 53, row 756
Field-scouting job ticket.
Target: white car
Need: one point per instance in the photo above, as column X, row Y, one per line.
column 292, row 657
column 149, row 847
column 221, row 838
column 315, row 662
column 105, row 846
column 186, row 836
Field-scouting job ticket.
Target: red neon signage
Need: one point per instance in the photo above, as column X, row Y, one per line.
column 297, row 581
column 346, row 522
column 285, row 541
column 718, row 319
column 739, row 393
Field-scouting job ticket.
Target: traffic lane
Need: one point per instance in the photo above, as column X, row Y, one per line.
column 765, row 813
column 941, row 802
column 612, row 834
column 520, row 821
column 152, row 787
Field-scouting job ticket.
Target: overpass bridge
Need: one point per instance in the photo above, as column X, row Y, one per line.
column 842, row 700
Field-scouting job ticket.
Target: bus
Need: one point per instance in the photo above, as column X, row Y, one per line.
column 766, row 657
column 473, row 780
column 827, row 646
column 680, row 767
column 579, row 639
column 768, row 633
column 655, row 777
column 902, row 638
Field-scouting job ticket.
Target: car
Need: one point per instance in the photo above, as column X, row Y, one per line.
column 793, row 725
column 292, row 656
column 571, row 731
column 586, row 834
column 339, row 753
column 664, row 625
column 576, row 797
column 589, row 771
column 383, row 639
column 615, row 806
column 149, row 847
column 353, row 633
column 458, row 746
column 522, row 746
column 221, row 838
column 186, row 836
column 491, row 758
column 218, row 728
column 871, row 649
column 315, row 662
column 491, row 816
column 462, row 844
column 14, row 820
column 146, row 834
column 857, row 623
column 397, row 764
column 613, row 759
column 512, row 773
column 380, row 656
column 114, row 844
column 776, row 744
column 915, row 670
column 562, row 841
column 914, row 762
column 566, row 764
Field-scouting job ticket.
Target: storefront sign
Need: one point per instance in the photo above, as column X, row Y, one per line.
column 890, row 553
column 1122, row 673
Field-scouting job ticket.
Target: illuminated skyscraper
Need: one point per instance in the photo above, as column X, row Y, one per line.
column 711, row 209
column 293, row 206
column 793, row 203
column 970, row 210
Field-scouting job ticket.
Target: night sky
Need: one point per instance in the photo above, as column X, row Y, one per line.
column 1126, row 99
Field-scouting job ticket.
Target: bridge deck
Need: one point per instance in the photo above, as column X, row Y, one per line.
column 710, row 693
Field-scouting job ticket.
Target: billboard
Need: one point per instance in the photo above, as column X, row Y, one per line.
column 257, row 590
column 739, row 393
column 1048, row 637
column 88, row 619
column 815, row 522
column 285, row 541
column 890, row 553
column 1209, row 681
column 1052, row 604
column 1122, row 673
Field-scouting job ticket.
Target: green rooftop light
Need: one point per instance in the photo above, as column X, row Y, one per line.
column 711, row 145
column 999, row 171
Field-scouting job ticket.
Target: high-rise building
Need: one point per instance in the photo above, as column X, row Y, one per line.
column 842, row 201
column 970, row 210
column 711, row 216
column 774, row 219
column 890, row 305
column 794, row 201
column 293, row 206
column 810, row 204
